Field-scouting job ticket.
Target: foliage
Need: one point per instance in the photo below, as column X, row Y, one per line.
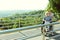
column 54, row 5
column 22, row 20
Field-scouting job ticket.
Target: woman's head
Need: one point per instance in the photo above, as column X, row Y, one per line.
column 47, row 14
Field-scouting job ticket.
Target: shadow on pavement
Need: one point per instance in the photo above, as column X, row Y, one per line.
column 56, row 37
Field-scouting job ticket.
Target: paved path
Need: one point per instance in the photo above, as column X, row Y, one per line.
column 26, row 34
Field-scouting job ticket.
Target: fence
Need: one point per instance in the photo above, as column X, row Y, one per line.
column 29, row 27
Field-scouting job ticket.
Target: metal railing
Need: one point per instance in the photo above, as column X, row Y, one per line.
column 29, row 27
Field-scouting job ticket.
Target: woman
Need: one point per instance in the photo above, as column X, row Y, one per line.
column 46, row 20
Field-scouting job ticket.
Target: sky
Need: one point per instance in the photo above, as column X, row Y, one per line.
column 23, row 4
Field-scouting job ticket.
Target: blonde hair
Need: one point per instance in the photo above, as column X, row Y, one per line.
column 48, row 13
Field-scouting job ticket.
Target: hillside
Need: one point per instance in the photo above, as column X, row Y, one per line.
column 22, row 20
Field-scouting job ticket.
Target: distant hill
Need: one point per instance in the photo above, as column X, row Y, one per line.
column 9, row 13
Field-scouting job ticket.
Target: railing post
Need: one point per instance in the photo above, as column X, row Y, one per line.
column 43, row 34
column 19, row 22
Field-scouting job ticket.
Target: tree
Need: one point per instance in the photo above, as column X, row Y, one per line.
column 54, row 5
